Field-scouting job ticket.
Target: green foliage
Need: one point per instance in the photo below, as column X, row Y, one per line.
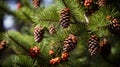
column 24, row 40
column 98, row 21
column 46, row 16
column 77, row 11
column 19, row 61
column 21, row 42
column 1, row 36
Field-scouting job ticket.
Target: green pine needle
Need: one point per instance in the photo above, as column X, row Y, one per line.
column 19, row 61
column 98, row 22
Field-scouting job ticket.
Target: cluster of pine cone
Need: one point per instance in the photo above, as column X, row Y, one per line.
column 88, row 3
column 69, row 44
column 95, row 46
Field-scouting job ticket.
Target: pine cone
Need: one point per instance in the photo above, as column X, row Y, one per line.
column 3, row 44
column 51, row 29
column 65, row 56
column 38, row 33
column 90, row 11
column 88, row 3
column 55, row 60
column 34, row 51
column 36, row 3
column 70, row 43
column 65, row 18
column 108, row 17
column 105, row 48
column 93, row 45
column 51, row 52
column 103, row 43
column 101, row 3
column 19, row 5
column 114, row 26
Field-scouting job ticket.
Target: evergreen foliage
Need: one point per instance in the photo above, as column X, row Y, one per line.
column 81, row 25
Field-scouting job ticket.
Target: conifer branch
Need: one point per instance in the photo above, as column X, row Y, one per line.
column 37, row 57
column 18, row 43
column 6, row 10
column 28, row 17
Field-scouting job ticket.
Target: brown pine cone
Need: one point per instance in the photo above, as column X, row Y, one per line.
column 55, row 60
column 51, row 52
column 65, row 56
column 105, row 48
column 114, row 26
column 109, row 17
column 19, row 5
column 88, row 3
column 101, row 3
column 3, row 44
column 65, row 18
column 70, row 43
column 93, row 45
column 34, row 51
column 51, row 29
column 38, row 33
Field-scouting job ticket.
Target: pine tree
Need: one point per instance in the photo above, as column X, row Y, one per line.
column 62, row 49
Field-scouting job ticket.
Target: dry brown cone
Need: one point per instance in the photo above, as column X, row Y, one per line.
column 101, row 3
column 3, row 44
column 65, row 56
column 88, row 3
column 103, row 42
column 70, row 43
column 38, row 33
column 114, row 26
column 36, row 3
column 55, row 60
column 34, row 51
column 51, row 52
column 19, row 5
column 109, row 17
column 93, row 45
column 51, row 29
column 65, row 18
column 105, row 48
